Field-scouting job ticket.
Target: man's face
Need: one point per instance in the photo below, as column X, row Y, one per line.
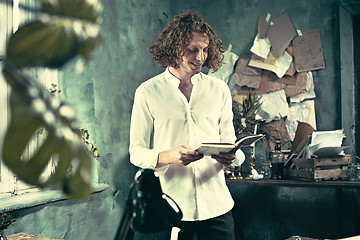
column 195, row 53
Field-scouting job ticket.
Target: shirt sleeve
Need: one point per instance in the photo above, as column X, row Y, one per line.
column 141, row 129
column 227, row 132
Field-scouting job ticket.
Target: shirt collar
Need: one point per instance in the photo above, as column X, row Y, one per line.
column 176, row 82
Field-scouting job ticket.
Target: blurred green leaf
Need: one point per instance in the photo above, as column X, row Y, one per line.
column 66, row 29
column 52, row 43
column 33, row 108
column 82, row 9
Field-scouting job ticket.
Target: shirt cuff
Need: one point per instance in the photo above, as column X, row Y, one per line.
column 240, row 158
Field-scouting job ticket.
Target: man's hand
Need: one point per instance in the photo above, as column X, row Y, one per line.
column 181, row 156
column 225, row 158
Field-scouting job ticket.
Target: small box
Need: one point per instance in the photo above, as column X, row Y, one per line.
column 318, row 168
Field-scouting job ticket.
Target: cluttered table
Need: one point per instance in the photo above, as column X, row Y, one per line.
column 296, row 183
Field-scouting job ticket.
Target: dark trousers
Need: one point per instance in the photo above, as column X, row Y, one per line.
column 218, row 228
column 164, row 235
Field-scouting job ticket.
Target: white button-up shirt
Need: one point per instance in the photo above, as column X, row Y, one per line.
column 163, row 119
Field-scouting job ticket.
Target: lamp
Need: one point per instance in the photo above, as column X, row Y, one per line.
column 151, row 210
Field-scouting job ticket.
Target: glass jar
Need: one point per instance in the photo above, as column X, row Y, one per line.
column 353, row 172
column 266, row 170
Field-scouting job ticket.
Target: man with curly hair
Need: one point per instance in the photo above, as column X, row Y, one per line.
column 176, row 111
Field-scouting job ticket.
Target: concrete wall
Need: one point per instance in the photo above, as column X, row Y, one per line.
column 103, row 95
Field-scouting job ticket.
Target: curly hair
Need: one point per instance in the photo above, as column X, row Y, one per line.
column 168, row 47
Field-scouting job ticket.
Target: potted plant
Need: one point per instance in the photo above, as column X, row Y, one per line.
column 5, row 221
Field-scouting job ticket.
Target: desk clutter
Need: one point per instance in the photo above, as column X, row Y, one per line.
column 312, row 156
column 318, row 168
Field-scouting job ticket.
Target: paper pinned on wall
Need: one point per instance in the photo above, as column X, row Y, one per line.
column 261, row 46
column 246, row 75
column 277, row 65
column 273, row 84
column 280, row 34
column 291, row 71
column 263, row 87
column 299, row 87
column 310, row 94
column 308, row 52
column 263, row 25
column 300, row 112
column 276, row 129
column 227, row 67
column 274, row 106
column 288, row 80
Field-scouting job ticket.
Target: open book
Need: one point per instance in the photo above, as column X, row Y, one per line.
column 216, row 148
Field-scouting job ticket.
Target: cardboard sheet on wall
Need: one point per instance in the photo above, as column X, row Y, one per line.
column 263, row 87
column 299, row 87
column 246, row 75
column 280, row 34
column 277, row 129
column 308, row 52
column 263, row 26
column 288, row 80
column 310, row 94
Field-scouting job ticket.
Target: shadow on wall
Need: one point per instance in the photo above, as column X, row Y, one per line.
column 123, row 175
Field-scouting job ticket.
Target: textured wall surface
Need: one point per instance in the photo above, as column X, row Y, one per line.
column 103, row 95
column 94, row 218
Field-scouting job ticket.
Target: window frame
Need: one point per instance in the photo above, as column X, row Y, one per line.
column 9, row 184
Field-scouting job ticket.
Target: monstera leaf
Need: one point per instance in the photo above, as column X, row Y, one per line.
column 33, row 108
column 80, row 9
column 53, row 41
column 66, row 29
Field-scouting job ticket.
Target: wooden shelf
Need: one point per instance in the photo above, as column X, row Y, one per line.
column 295, row 183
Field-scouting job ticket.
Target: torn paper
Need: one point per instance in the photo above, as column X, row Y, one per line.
column 291, row 71
column 300, row 112
column 273, row 106
column 273, row 83
column 261, row 46
column 276, row 129
column 227, row 68
column 308, row 52
column 288, row 80
column 277, row 65
column 280, row 34
column 310, row 94
column 299, row 87
column 262, row 89
column 246, row 75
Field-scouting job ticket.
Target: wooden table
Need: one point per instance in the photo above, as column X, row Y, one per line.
column 28, row 236
column 296, row 183
column 340, row 187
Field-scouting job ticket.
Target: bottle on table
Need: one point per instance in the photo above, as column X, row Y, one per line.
column 277, row 161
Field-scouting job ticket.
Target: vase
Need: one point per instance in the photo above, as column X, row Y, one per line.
column 2, row 235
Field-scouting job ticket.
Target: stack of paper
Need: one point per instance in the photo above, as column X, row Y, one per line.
column 326, row 143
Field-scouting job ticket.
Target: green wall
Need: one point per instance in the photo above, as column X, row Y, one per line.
column 102, row 97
